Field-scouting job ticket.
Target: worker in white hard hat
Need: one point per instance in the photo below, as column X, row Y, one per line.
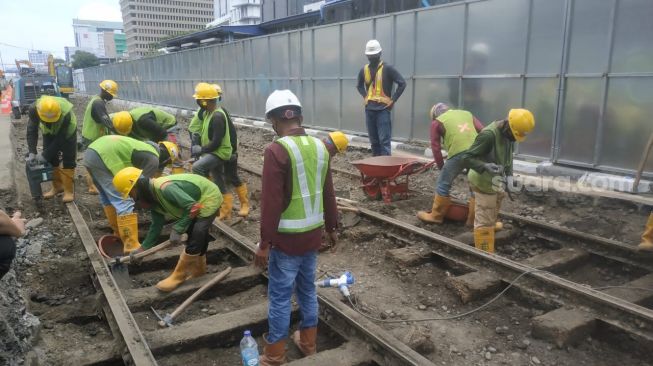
column 375, row 83
column 297, row 203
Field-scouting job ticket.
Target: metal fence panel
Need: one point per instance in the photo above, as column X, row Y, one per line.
column 584, row 67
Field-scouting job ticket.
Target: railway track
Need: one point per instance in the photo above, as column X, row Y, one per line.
column 587, row 284
column 209, row 332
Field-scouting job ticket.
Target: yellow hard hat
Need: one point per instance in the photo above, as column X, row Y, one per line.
column 521, row 122
column 340, row 140
column 48, row 109
column 205, row 91
column 123, row 122
column 173, row 150
column 110, row 87
column 126, row 179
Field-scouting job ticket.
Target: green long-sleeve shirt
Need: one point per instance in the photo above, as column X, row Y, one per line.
column 476, row 156
column 182, row 194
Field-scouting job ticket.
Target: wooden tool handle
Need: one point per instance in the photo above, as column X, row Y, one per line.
column 145, row 253
column 642, row 163
column 199, row 292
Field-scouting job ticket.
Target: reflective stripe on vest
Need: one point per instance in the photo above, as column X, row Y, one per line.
column 223, row 151
column 305, row 211
column 54, row 127
column 459, row 131
column 375, row 91
column 91, row 130
column 210, row 197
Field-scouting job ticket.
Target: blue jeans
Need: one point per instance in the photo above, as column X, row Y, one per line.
column 452, row 167
column 103, row 179
column 288, row 273
column 379, row 130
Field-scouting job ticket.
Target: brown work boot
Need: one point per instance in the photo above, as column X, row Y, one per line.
column 647, row 236
column 471, row 212
column 68, row 181
column 57, row 186
column 306, row 340
column 241, row 190
column 436, row 216
column 227, row 205
column 181, row 273
column 273, row 354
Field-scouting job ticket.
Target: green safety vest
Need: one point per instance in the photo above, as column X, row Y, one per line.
column 310, row 162
column 501, row 154
column 165, row 119
column 195, row 125
column 91, row 130
column 224, row 150
column 116, row 151
column 54, row 127
column 210, row 198
column 459, row 131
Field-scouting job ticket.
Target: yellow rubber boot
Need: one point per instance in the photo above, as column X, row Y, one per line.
column 241, row 190
column 440, row 207
column 274, row 354
column 110, row 213
column 68, row 182
column 57, row 185
column 306, row 340
column 200, row 269
column 471, row 213
column 92, row 189
column 128, row 230
column 227, row 205
column 181, row 273
column 484, row 239
column 177, row 170
column 647, row 236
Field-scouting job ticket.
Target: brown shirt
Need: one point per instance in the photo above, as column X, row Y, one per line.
column 275, row 197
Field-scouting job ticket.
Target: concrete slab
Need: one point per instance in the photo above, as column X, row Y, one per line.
column 557, row 260
column 348, row 354
column 473, row 285
column 634, row 291
column 564, row 327
column 408, row 256
column 6, row 154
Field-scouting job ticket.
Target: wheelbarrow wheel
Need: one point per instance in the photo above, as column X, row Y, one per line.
column 371, row 188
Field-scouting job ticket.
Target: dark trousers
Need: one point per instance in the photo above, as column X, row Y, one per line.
column 198, row 235
column 379, row 130
column 68, row 150
column 231, row 172
column 7, row 253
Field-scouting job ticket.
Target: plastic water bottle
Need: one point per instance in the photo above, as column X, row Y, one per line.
column 249, row 350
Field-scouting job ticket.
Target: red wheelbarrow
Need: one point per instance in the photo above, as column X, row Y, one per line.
column 379, row 175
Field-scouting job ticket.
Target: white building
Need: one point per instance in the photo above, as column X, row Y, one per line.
column 236, row 12
column 93, row 35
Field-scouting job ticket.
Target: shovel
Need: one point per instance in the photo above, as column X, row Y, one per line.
column 166, row 321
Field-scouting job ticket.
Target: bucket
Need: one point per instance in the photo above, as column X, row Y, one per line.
column 457, row 212
column 110, row 246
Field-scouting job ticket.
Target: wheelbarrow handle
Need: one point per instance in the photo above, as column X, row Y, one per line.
column 412, row 165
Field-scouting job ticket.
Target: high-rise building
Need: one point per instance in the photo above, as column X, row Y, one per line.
column 237, row 12
column 147, row 22
column 98, row 37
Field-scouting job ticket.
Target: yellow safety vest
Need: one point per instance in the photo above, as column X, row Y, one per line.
column 375, row 91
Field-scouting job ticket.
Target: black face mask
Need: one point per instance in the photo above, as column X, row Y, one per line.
column 106, row 96
column 374, row 59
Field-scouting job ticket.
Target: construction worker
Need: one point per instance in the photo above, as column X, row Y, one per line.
column 458, row 128
column 647, row 236
column 96, row 121
column 190, row 199
column 10, row 228
column 211, row 142
column 375, row 84
column 336, row 142
column 104, row 158
column 55, row 118
column 297, row 202
column 490, row 162
column 147, row 124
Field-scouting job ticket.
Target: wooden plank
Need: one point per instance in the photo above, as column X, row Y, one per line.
column 129, row 333
column 348, row 354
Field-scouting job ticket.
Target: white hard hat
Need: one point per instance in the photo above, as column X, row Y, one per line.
column 281, row 98
column 372, row 47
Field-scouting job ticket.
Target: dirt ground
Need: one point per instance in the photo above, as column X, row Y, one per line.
column 52, row 269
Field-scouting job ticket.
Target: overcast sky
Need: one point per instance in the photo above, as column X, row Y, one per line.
column 46, row 24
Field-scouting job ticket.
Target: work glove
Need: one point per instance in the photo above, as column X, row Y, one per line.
column 30, row 158
column 195, row 139
column 175, row 237
column 493, row 168
column 195, row 151
column 35, row 159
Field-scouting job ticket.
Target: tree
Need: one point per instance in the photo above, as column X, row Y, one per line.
column 59, row 61
column 83, row 59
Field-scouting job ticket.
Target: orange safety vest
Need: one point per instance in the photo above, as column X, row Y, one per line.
column 375, row 88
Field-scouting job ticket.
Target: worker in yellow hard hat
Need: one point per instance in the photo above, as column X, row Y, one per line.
column 211, row 141
column 191, row 200
column 490, row 162
column 55, row 118
column 105, row 157
column 96, row 122
column 336, row 142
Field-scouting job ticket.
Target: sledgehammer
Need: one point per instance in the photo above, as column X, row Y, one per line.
column 167, row 320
